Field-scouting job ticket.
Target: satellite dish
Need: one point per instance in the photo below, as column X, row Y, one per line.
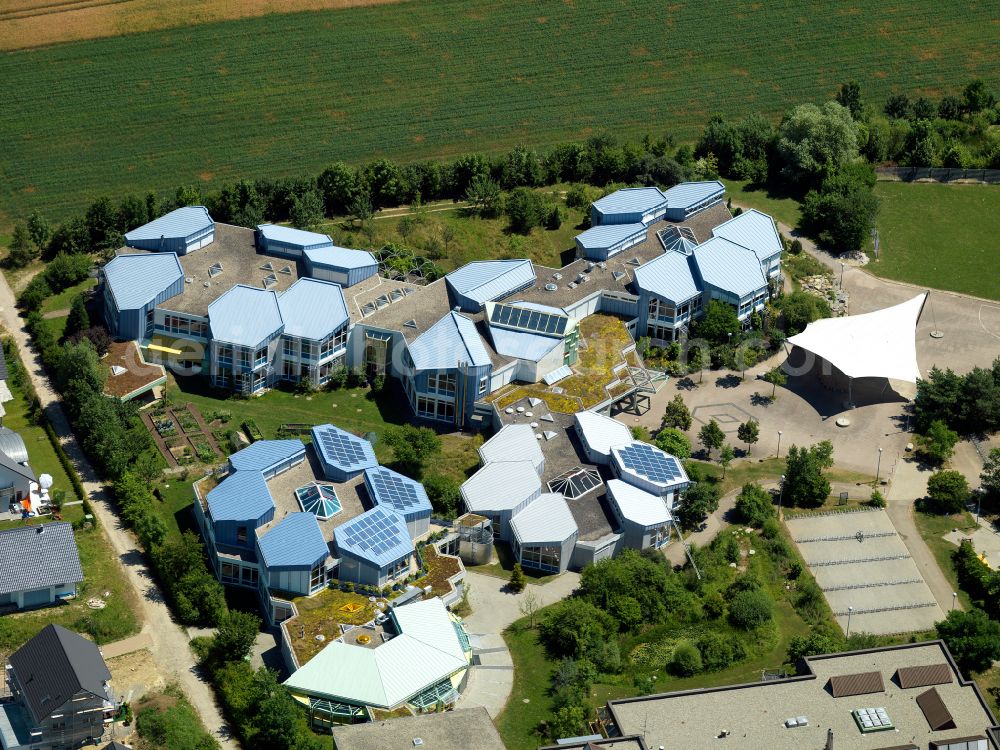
column 45, row 481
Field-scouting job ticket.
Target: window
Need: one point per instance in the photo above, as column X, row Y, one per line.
column 659, row 536
column 289, row 371
column 484, row 384
column 541, row 557
column 442, row 382
column 222, row 379
column 243, row 358
column 660, row 332
column 288, row 346
column 259, row 381
column 260, row 357
column 432, row 408
column 398, row 568
column 376, row 354
column 317, row 577
column 225, row 355
column 658, row 309
column 241, row 534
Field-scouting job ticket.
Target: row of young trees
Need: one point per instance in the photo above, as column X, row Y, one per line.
column 968, row 404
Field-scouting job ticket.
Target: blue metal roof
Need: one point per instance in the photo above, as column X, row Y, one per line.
column 522, row 345
column 136, row 279
column 729, row 267
column 451, row 340
column 242, row 496
column 378, row 536
column 668, row 276
column 266, row 454
column 689, row 194
column 296, row 541
column 340, row 448
column 312, row 309
column 181, row 222
column 245, row 316
column 630, row 201
column 753, row 230
column 396, row 492
column 485, row 280
column 341, row 258
column 294, row 237
column 608, row 235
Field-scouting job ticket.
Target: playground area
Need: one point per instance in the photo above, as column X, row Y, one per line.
column 865, row 572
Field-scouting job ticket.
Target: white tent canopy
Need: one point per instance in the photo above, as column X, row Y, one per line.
column 880, row 344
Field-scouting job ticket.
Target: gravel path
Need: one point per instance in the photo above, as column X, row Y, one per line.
column 167, row 641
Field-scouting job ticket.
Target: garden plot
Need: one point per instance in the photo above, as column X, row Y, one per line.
column 859, row 561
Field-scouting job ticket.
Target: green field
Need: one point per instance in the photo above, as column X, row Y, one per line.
column 287, row 94
column 940, row 236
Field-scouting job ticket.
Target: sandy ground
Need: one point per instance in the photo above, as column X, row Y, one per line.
column 135, row 675
column 37, row 23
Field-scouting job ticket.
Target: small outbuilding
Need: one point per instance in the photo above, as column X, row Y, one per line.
column 644, row 518
column 39, row 565
column 288, row 242
column 181, row 231
column 341, row 265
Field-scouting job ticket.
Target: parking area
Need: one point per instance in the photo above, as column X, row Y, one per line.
column 860, row 563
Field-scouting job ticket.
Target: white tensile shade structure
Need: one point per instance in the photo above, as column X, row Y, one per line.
column 880, row 344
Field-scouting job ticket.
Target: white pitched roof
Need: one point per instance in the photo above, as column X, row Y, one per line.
column 513, row 442
column 602, row 433
column 880, row 344
column 637, row 506
column 501, row 486
column 427, row 651
column 547, row 520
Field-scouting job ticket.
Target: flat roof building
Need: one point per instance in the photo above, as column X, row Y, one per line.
column 908, row 697
column 462, row 729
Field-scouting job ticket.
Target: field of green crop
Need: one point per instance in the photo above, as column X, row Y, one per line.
column 286, row 94
column 940, row 236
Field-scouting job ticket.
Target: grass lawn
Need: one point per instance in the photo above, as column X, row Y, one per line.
column 473, row 238
column 932, row 528
column 784, row 209
column 503, row 564
column 439, row 79
column 64, row 299
column 940, row 236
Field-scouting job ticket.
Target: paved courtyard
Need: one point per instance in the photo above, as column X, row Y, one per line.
column 985, row 540
column 859, row 561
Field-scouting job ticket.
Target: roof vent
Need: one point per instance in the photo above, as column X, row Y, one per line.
column 618, row 275
column 40, row 529
column 418, row 742
column 270, row 280
column 269, row 266
column 214, row 270
column 188, row 279
column 410, row 323
column 286, row 269
column 551, row 287
column 205, row 284
column 634, row 262
column 118, row 370
column 557, row 276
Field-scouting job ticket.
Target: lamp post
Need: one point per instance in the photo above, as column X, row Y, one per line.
column 841, row 275
column 781, row 494
column 979, row 503
column 850, row 611
column 779, row 444
column 954, row 598
column 878, row 466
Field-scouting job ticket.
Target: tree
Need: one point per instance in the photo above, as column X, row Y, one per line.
column 686, row 660
column 947, row 492
column 750, row 609
column 748, row 432
column 877, row 499
column 517, row 579
column 39, row 230
column 444, row 494
column 236, row 635
column 775, row 376
column 484, row 196
column 972, row 637
column 726, row 456
column 799, row 309
column 897, row 107
column 447, row 236
column 673, row 441
column 923, row 109
column 720, row 320
column 528, row 606
column 976, row 97
column 676, row 414
column 102, row 224
column 754, row 505
column 526, row 210
column 816, row 141
column 711, row 436
column 990, row 477
column 306, row 211
column 78, row 319
column 700, row 500
column 717, row 651
column 937, row 444
column 567, row 721
column 815, row 643
column 412, row 447
column 21, row 251
column 339, row 185
column 950, row 108
column 804, row 485
column 841, row 213
column 574, row 626
column 850, row 96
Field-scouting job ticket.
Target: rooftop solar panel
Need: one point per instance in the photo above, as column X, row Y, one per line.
column 524, row 319
column 343, row 449
column 647, row 461
column 399, row 492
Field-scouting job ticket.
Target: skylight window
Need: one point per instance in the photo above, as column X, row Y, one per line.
column 214, row 270
column 270, row 280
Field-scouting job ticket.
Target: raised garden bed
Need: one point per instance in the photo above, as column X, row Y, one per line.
column 186, row 421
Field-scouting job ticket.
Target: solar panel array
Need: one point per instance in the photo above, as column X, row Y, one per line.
column 344, row 449
column 533, row 321
column 872, row 719
column 647, row 461
column 397, row 491
column 376, row 531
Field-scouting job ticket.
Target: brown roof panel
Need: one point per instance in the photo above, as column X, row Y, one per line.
column 937, row 714
column 924, row 675
column 861, row 683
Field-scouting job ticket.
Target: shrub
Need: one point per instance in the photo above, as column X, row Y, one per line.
column 947, row 492
column 686, row 660
column 754, row 505
column 714, row 606
column 716, row 651
column 751, row 609
column 795, row 248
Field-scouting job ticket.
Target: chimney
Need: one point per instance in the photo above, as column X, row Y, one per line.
column 40, row 529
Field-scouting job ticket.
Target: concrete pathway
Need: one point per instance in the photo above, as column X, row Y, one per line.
column 909, row 483
column 493, row 609
column 166, row 640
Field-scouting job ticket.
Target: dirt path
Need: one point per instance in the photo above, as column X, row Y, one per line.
column 166, row 640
